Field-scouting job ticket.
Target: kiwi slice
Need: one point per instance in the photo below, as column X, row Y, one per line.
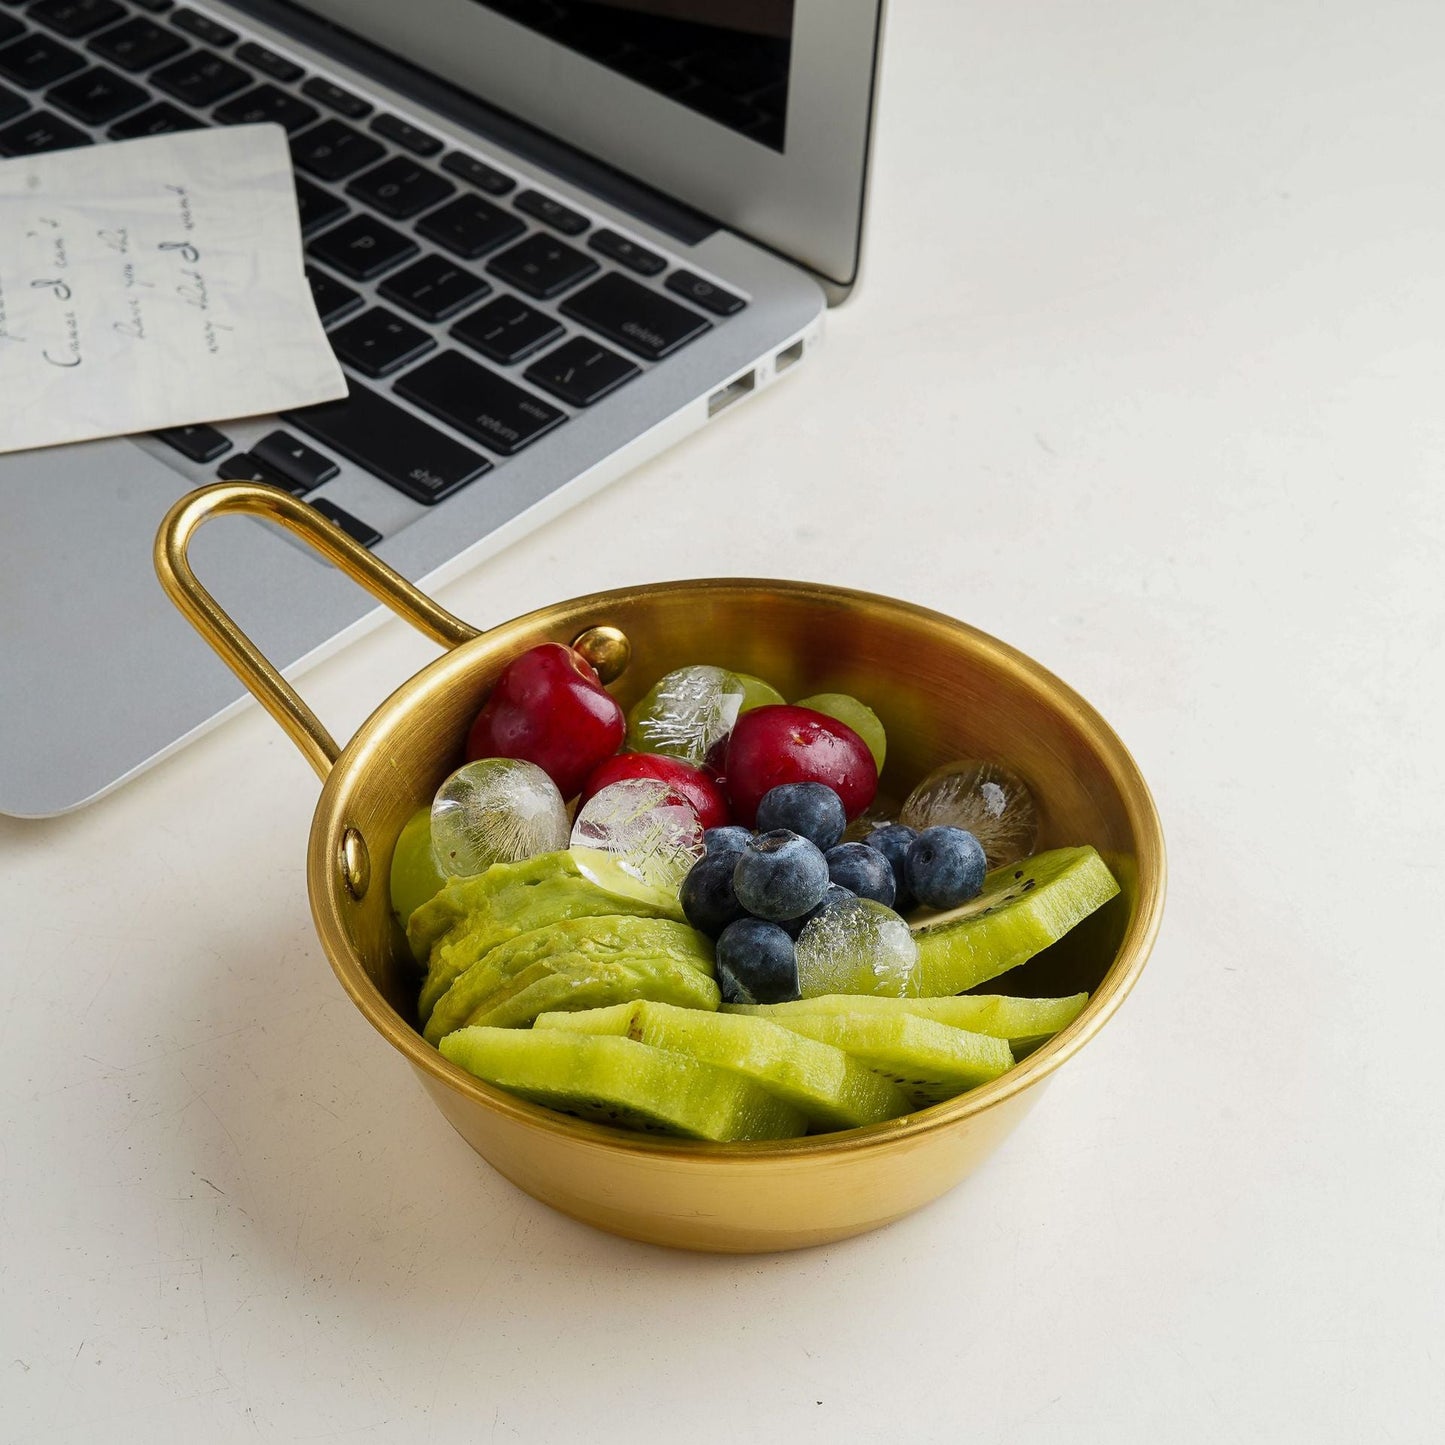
column 575, row 944
column 1024, row 907
column 928, row 1061
column 471, row 916
column 833, row 1090
column 1024, row 1022
column 610, row 1080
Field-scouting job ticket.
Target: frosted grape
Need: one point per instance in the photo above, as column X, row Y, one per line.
column 687, row 712
column 655, row 835
column 856, row 946
column 984, row 799
column 495, row 810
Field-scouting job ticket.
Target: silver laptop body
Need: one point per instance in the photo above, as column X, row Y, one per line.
column 623, row 217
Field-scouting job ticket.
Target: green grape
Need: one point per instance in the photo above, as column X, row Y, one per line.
column 415, row 877
column 854, row 714
column 757, row 693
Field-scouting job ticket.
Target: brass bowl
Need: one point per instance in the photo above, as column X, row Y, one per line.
column 945, row 691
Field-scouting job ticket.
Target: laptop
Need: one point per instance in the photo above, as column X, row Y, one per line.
column 547, row 239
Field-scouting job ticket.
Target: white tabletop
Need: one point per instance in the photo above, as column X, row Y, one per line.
column 1145, row 377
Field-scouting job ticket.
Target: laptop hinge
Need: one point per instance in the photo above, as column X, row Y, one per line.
column 604, row 181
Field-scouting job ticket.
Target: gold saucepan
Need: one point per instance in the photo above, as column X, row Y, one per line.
column 944, row 690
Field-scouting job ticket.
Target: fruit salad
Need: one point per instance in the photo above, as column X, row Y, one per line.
column 700, row 919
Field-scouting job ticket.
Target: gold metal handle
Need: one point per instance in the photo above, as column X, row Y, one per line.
column 237, row 650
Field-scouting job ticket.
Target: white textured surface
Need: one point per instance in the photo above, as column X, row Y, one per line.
column 1167, row 416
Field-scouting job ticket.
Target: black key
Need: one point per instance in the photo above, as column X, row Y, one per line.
column 503, row 417
column 36, row 61
column 379, row 342
column 9, row 29
column 203, row 28
column 469, row 226
column 403, row 451
column 96, row 96
column 137, row 44
column 581, row 371
column 40, row 131
column 334, row 299
column 162, row 118
column 554, row 213
column 11, row 103
column 507, row 330
column 645, row 323
column 418, row 142
column 434, row 288
column 400, row 187
column 243, row 467
column 334, row 98
column 298, row 463
column 267, row 103
column 619, row 248
column 333, row 149
column 354, row 527
column 269, row 63
column 479, row 173
column 199, row 443
column 73, row 18
column 709, row 297
column 363, row 247
column 200, row 79
column 541, row 266
column 318, row 208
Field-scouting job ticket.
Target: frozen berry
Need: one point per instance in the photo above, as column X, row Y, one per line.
column 708, row 899
column 835, row 894
column 756, row 963
column 893, row 841
column 862, row 870
column 775, row 745
column 687, row 782
column 780, row 875
column 732, row 839
column 946, row 867
column 812, row 810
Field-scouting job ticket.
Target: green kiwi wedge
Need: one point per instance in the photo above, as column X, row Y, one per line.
column 471, row 916
column 929, row 1062
column 1024, row 907
column 833, row 1090
column 612, row 1080
column 623, row 957
column 1024, row 1022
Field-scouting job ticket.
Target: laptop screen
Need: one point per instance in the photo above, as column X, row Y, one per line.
column 725, row 59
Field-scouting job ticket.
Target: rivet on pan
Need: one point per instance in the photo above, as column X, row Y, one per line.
column 355, row 863
column 607, row 649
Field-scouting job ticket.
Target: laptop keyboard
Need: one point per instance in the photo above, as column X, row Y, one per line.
column 482, row 313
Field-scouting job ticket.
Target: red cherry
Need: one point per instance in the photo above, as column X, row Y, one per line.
column 690, row 784
column 779, row 744
column 550, row 708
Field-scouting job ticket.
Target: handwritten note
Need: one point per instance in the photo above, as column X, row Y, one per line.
column 154, row 283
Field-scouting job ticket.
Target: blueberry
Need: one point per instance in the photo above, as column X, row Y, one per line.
column 893, row 842
column 755, row 963
column 946, row 867
column 835, row 894
column 780, row 875
column 812, row 810
column 731, row 839
column 864, row 871
column 708, row 900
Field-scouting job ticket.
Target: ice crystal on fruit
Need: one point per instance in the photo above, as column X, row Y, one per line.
column 495, row 810
column 984, row 799
column 654, row 834
column 687, row 712
column 856, row 946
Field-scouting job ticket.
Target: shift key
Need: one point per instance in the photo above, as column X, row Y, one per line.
column 403, row 451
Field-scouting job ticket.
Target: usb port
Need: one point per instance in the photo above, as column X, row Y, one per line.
column 734, row 391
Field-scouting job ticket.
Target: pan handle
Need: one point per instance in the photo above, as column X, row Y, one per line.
column 237, row 651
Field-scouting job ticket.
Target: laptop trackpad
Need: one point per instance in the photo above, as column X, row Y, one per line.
column 98, row 671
